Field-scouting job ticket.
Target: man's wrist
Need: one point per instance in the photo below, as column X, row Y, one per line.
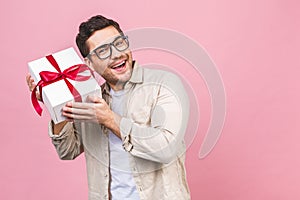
column 114, row 124
column 117, row 119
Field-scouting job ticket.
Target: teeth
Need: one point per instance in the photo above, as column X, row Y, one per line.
column 118, row 65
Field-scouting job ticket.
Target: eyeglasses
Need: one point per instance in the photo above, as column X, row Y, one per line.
column 104, row 51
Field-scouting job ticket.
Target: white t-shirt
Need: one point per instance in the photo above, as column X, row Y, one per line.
column 122, row 183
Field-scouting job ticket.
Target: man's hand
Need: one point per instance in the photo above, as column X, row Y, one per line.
column 31, row 85
column 56, row 127
column 96, row 111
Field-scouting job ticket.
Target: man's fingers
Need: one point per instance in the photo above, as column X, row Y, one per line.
column 80, row 105
column 30, row 82
column 77, row 116
column 28, row 78
column 78, row 111
column 97, row 101
column 94, row 99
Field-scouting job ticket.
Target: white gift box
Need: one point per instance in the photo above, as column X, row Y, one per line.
column 57, row 94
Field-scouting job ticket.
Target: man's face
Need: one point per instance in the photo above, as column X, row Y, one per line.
column 117, row 68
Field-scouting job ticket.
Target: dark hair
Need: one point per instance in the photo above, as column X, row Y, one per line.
column 86, row 29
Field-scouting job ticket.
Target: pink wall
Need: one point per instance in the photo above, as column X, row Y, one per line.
column 255, row 45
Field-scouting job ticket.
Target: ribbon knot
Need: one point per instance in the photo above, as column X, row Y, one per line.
column 48, row 78
column 63, row 76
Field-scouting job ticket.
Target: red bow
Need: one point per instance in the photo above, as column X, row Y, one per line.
column 48, row 78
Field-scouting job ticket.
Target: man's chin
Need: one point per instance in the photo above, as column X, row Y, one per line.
column 124, row 77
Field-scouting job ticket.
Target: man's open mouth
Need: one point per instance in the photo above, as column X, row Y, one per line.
column 119, row 66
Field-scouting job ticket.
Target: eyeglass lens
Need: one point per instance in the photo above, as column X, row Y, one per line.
column 120, row 43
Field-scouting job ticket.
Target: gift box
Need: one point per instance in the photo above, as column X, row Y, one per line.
column 60, row 78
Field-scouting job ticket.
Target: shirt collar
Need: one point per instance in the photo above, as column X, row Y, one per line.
column 137, row 76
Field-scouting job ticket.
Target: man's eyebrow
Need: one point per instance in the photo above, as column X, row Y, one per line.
column 105, row 43
column 113, row 39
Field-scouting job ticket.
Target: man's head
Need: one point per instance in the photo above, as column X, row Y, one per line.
column 115, row 66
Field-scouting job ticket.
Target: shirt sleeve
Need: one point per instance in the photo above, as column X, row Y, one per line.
column 68, row 142
column 161, row 140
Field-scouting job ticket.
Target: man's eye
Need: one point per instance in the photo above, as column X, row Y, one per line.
column 102, row 50
column 119, row 43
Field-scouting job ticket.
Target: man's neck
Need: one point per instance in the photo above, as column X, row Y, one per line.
column 117, row 87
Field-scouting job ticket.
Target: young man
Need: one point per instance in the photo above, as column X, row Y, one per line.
column 133, row 137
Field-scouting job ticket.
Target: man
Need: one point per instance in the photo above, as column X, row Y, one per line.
column 133, row 137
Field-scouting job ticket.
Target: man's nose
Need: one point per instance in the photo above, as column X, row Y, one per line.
column 115, row 53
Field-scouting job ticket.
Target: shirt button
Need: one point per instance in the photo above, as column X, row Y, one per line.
column 105, row 175
column 105, row 196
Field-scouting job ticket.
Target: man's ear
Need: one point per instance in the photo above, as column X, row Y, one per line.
column 89, row 63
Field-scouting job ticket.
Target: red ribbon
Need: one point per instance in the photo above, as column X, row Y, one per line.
column 48, row 78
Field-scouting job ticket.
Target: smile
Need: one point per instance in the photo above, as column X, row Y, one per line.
column 119, row 66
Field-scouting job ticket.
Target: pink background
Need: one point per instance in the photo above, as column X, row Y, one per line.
column 255, row 45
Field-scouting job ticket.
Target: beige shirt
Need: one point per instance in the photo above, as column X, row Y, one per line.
column 152, row 132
